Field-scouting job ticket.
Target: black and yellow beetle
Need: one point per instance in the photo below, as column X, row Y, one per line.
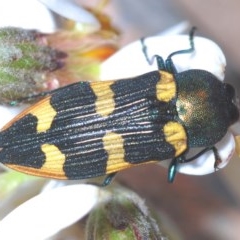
column 90, row 129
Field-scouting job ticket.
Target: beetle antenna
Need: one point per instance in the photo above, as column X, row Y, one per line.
column 169, row 62
column 168, row 65
column 144, row 50
column 192, row 46
column 159, row 59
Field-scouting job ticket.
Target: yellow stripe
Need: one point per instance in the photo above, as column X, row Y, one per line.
column 105, row 103
column 52, row 168
column 175, row 134
column 54, row 160
column 45, row 114
column 166, row 87
column 113, row 144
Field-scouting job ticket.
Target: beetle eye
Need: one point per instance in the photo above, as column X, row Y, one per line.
column 233, row 103
column 230, row 91
column 231, row 95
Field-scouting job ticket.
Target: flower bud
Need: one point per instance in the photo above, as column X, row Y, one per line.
column 23, row 62
column 122, row 216
column 32, row 62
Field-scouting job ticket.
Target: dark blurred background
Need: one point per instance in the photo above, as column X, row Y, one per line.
column 202, row 207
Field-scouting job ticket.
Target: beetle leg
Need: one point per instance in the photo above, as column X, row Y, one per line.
column 218, row 159
column 108, row 179
column 172, row 169
column 215, row 152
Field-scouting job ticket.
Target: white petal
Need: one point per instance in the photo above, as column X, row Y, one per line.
column 7, row 113
column 130, row 60
column 49, row 212
column 30, row 14
column 71, row 10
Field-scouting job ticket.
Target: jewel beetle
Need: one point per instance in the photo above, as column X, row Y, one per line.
column 90, row 129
